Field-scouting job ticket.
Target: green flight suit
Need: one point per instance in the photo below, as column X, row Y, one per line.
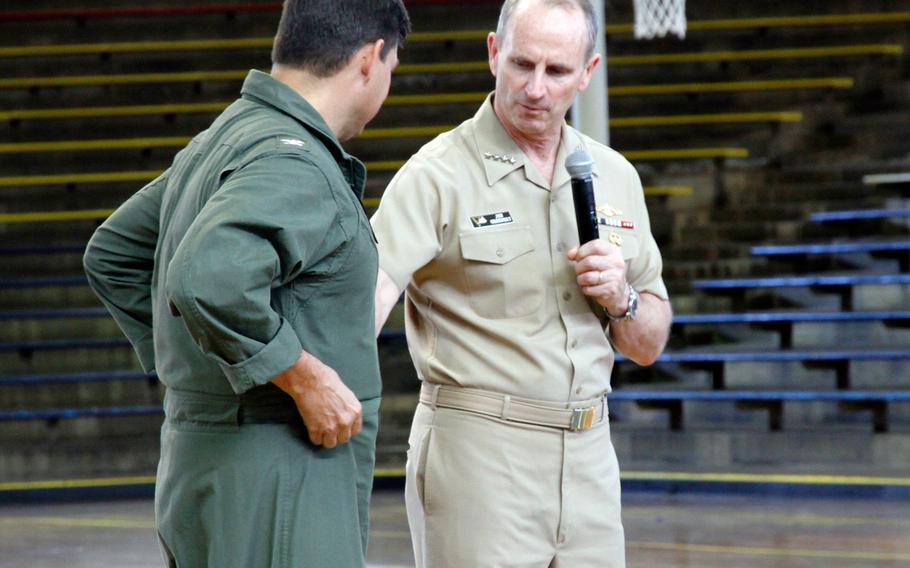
column 252, row 246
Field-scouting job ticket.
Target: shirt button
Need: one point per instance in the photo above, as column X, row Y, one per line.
column 567, row 296
column 578, row 390
column 574, row 343
column 560, row 247
column 500, row 252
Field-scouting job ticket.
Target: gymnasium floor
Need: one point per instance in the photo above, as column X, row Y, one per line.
column 663, row 531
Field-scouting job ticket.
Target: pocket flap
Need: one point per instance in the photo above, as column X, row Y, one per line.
column 629, row 246
column 497, row 247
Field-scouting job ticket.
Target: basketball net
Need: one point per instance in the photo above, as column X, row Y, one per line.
column 657, row 18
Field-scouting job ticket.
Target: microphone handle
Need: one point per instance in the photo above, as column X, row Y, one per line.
column 585, row 209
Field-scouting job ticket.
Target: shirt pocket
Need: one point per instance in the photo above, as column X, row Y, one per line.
column 501, row 272
column 628, row 241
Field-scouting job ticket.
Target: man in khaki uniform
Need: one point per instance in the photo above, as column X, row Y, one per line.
column 511, row 325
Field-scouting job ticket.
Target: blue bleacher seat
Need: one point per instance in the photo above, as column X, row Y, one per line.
column 55, row 414
column 772, row 401
column 836, row 359
column 841, row 284
column 857, row 215
column 830, row 248
column 85, row 377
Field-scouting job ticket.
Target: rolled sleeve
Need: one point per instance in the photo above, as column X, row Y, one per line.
column 275, row 357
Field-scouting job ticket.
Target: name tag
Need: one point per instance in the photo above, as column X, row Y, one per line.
column 491, row 219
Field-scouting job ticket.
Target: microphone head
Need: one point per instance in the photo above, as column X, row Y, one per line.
column 579, row 164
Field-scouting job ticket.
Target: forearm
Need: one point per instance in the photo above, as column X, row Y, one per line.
column 119, row 262
column 330, row 411
column 643, row 338
column 387, row 294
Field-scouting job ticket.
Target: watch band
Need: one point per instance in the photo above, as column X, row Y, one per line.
column 632, row 308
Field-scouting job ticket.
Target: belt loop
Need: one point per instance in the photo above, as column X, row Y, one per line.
column 506, row 406
column 433, row 396
column 603, row 407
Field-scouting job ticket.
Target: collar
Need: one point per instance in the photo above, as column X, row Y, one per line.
column 501, row 156
column 266, row 90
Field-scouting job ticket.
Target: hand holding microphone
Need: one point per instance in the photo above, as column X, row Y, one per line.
column 580, row 167
column 599, row 266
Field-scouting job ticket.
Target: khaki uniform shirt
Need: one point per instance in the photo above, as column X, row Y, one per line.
column 478, row 239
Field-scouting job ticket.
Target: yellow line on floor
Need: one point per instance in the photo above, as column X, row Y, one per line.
column 626, row 476
column 803, row 479
column 776, row 517
column 81, row 522
column 388, row 472
column 771, row 551
column 76, row 483
column 403, row 535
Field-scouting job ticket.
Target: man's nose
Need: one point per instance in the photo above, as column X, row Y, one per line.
column 535, row 88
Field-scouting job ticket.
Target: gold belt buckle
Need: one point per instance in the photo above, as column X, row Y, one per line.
column 582, row 418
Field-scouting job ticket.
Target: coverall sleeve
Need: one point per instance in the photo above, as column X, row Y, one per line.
column 267, row 223
column 119, row 261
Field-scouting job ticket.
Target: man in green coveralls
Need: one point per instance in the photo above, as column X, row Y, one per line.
column 244, row 276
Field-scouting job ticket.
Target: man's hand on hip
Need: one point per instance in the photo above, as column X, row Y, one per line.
column 601, row 273
column 330, row 411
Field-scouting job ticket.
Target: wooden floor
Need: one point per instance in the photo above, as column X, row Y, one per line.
column 663, row 531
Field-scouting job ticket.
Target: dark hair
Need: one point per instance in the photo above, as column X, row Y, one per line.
column 320, row 36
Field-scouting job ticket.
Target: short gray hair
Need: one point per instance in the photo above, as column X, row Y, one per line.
column 584, row 5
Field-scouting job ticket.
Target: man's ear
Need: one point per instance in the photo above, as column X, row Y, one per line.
column 492, row 51
column 589, row 71
column 369, row 55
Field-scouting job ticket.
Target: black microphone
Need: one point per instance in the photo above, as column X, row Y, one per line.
column 579, row 164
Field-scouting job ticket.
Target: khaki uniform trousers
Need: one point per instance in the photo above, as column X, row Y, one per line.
column 484, row 492
column 255, row 493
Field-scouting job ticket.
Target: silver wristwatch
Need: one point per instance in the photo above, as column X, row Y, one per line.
column 632, row 309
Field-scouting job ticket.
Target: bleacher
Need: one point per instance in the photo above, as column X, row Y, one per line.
column 772, row 148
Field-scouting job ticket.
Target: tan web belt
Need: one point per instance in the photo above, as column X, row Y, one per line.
column 574, row 416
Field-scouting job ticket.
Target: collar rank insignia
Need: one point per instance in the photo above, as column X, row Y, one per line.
column 292, row 142
column 491, row 219
column 499, row 158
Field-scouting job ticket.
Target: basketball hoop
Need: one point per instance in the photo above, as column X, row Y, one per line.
column 657, row 18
